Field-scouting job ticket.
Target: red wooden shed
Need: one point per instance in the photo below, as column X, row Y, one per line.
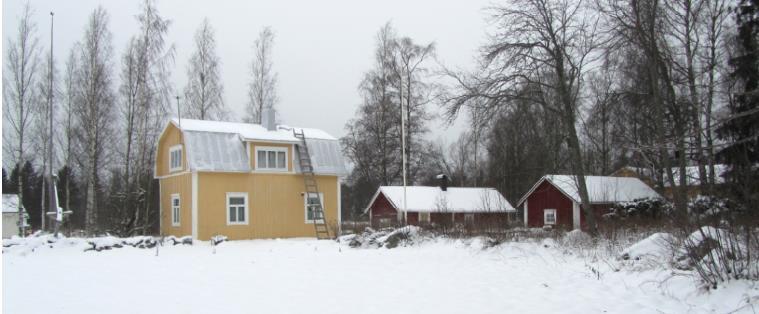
column 554, row 200
column 437, row 205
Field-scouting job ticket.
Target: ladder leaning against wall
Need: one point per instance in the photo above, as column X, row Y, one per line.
column 314, row 200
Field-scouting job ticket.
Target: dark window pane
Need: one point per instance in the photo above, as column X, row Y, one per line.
column 261, row 159
column 281, row 161
column 236, row 201
column 232, row 214
column 241, row 213
column 272, row 159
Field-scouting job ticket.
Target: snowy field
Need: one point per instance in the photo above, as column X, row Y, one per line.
column 304, row 275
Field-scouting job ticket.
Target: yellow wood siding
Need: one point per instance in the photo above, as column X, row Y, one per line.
column 172, row 136
column 253, row 158
column 182, row 185
column 275, row 205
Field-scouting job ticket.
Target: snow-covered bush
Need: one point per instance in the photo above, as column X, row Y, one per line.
column 387, row 237
column 711, row 207
column 641, row 208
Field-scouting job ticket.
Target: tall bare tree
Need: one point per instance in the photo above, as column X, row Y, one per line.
column 67, row 122
column 262, row 90
column 413, row 93
column 541, row 43
column 145, row 96
column 95, row 99
column 19, row 89
column 204, row 90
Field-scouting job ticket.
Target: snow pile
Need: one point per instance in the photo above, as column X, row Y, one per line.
column 46, row 241
column 577, row 238
column 387, row 238
column 655, row 251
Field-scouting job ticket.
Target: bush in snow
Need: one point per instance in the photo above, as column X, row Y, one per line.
column 720, row 254
column 646, row 208
column 387, row 237
column 712, row 208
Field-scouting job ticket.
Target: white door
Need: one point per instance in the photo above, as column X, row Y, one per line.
column 575, row 215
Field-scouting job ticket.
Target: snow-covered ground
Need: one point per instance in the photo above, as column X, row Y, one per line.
column 304, row 275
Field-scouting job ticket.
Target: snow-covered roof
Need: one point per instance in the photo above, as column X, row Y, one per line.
column 211, row 151
column 601, row 189
column 454, row 200
column 220, row 146
column 10, row 203
column 691, row 172
column 250, row 131
column 692, row 176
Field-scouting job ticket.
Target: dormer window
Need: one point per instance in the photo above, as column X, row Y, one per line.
column 175, row 158
column 271, row 158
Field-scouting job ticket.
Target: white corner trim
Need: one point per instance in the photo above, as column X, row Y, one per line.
column 160, row 208
column 194, row 205
column 340, row 207
column 526, row 209
column 575, row 215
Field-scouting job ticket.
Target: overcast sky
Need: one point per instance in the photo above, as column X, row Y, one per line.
column 321, row 47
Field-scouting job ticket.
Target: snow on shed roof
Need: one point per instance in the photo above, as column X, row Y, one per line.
column 10, row 203
column 454, row 200
column 601, row 189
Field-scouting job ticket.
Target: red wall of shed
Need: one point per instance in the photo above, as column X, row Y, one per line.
column 382, row 208
column 547, row 196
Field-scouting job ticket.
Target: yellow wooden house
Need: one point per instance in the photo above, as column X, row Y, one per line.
column 245, row 181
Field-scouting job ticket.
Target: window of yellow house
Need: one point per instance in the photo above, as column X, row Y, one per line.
column 311, row 203
column 175, row 212
column 175, row 158
column 237, row 208
column 271, row 158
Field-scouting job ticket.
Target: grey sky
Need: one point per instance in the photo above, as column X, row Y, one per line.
column 321, row 47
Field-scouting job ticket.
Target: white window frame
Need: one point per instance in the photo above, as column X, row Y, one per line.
column 176, row 210
column 173, row 149
column 469, row 218
column 545, row 216
column 424, row 217
column 244, row 195
column 305, row 206
column 270, row 149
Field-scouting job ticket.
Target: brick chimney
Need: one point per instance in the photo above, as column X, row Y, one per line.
column 443, row 181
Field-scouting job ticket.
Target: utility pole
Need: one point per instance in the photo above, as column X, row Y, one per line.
column 403, row 152
column 52, row 204
column 179, row 113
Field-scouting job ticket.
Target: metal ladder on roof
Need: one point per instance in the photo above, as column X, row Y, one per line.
column 314, row 200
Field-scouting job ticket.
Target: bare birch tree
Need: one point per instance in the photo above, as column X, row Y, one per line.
column 145, row 96
column 94, row 106
column 204, row 90
column 19, row 89
column 262, row 90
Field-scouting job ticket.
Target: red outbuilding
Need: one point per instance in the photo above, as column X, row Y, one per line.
column 437, row 205
column 555, row 201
